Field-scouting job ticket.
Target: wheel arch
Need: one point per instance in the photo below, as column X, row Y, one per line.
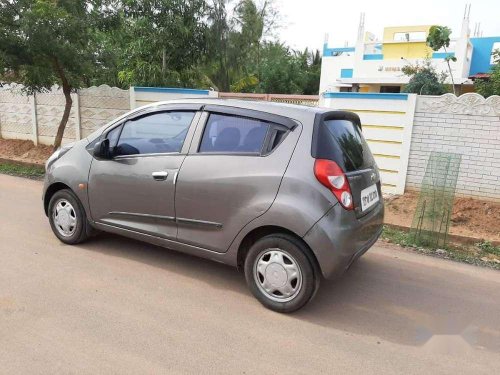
column 262, row 231
column 49, row 193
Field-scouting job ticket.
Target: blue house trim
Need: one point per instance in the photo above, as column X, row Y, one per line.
column 373, row 56
column 442, row 55
column 171, row 90
column 346, row 73
column 481, row 54
column 330, row 51
column 367, row 95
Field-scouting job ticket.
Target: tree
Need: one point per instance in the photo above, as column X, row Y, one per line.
column 439, row 37
column 110, row 42
column 279, row 70
column 164, row 40
column 235, row 42
column 490, row 86
column 216, row 61
column 224, row 44
column 284, row 71
column 310, row 65
column 424, row 79
column 47, row 42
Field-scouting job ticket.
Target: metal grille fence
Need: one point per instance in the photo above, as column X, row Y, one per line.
column 431, row 220
column 309, row 100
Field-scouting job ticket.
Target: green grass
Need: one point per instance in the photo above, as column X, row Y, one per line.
column 397, row 236
column 28, row 171
column 472, row 254
column 488, row 248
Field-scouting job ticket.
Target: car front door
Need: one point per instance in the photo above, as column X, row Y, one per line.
column 231, row 174
column 135, row 189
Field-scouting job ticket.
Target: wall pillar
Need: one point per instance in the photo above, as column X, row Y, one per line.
column 78, row 126
column 132, row 97
column 34, row 122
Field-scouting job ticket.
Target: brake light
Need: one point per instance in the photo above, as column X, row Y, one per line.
column 331, row 175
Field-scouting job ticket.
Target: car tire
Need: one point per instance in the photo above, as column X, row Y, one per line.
column 280, row 274
column 67, row 218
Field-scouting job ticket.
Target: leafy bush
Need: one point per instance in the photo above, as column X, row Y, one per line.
column 490, row 86
column 425, row 80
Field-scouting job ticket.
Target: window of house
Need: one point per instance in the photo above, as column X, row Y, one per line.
column 496, row 46
column 390, row 89
column 410, row 36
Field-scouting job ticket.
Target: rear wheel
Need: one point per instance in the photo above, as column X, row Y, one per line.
column 280, row 274
column 67, row 217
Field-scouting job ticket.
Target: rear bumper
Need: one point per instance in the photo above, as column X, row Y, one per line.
column 339, row 238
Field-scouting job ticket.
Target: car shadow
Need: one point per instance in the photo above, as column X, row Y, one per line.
column 379, row 296
column 409, row 304
column 217, row 275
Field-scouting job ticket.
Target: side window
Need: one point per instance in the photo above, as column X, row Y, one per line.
column 156, row 133
column 233, row 134
column 113, row 136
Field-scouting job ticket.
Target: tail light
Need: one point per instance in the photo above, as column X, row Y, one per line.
column 329, row 174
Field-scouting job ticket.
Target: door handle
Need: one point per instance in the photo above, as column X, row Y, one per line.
column 160, row 176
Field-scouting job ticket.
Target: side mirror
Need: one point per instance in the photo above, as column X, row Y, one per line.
column 102, row 150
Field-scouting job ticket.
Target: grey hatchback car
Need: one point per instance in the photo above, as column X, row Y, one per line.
column 289, row 194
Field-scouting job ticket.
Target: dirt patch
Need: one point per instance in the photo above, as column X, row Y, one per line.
column 470, row 218
column 26, row 151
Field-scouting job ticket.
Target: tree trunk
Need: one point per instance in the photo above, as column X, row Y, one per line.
column 164, row 62
column 67, row 107
column 449, row 69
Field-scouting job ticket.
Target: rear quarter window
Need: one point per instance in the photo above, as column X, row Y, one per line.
column 231, row 134
column 340, row 139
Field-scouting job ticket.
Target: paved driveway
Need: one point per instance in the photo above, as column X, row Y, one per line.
column 114, row 305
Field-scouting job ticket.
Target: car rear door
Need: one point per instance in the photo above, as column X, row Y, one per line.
column 232, row 173
column 135, row 189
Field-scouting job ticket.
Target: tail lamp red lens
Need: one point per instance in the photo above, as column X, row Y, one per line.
column 331, row 175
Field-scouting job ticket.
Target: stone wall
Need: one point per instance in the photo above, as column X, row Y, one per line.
column 468, row 125
column 36, row 117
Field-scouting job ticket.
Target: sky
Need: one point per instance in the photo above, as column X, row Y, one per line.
column 304, row 23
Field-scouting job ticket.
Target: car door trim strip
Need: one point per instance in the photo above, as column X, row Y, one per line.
column 198, row 222
column 161, row 217
column 169, row 218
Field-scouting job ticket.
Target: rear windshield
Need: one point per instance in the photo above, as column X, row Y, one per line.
column 342, row 141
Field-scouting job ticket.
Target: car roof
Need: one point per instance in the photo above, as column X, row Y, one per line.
column 294, row 111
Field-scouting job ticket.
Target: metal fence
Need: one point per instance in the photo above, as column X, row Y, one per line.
column 310, row 100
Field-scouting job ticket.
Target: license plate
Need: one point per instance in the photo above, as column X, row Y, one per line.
column 369, row 197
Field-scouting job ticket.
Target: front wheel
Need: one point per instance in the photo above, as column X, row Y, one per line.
column 280, row 274
column 67, row 217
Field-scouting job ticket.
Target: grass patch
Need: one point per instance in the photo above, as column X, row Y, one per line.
column 489, row 248
column 29, row 171
column 397, row 236
column 481, row 254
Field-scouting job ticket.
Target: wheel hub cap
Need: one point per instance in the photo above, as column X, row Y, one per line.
column 278, row 275
column 64, row 218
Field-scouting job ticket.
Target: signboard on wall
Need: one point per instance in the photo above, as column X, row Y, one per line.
column 382, row 68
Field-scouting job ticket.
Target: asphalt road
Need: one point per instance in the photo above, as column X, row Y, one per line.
column 114, row 305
